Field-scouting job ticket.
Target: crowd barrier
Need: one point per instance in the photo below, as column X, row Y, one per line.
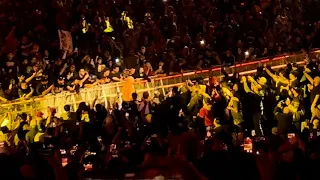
column 110, row 93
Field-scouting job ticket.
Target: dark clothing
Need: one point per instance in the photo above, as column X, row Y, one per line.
column 60, row 87
column 284, row 122
column 131, row 62
column 255, row 103
column 85, row 82
column 137, row 75
column 229, row 60
column 256, row 117
column 112, row 75
column 41, row 88
column 73, row 127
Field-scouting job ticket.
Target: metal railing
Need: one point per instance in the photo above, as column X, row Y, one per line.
column 110, row 93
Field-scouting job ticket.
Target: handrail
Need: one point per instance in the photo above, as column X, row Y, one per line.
column 112, row 90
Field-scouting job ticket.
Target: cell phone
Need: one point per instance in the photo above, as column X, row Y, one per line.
column 1, row 144
column 247, row 145
column 180, row 113
column 77, row 123
column 113, row 147
column 311, row 135
column 63, row 151
column 148, row 141
column 88, row 166
column 99, row 138
column 64, row 162
column 129, row 175
column 291, row 135
column 127, row 114
column 113, row 150
column 224, row 146
column 253, row 133
column 209, row 134
column 73, row 151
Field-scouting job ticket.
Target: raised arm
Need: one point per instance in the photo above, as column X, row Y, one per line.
column 29, row 94
column 245, row 84
column 273, row 76
column 65, row 66
column 31, row 77
column 305, row 73
column 84, row 79
column 48, row 90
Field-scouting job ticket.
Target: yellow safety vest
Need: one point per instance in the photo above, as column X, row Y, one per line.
column 85, row 29
column 3, row 137
column 129, row 23
column 37, row 137
column 108, row 27
column 85, row 118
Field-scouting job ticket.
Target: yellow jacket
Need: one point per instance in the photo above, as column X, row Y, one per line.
column 128, row 89
column 108, row 27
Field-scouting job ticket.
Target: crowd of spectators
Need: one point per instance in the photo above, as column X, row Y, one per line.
column 251, row 127
column 264, row 126
column 116, row 38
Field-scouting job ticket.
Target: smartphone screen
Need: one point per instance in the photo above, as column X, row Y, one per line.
column 129, row 175
column 113, row 147
column 180, row 113
column 113, row 150
column 291, row 135
column 86, row 154
column 224, row 146
column 247, row 145
column 88, row 166
column 73, row 149
column 99, row 138
column 253, row 133
column 64, row 162
column 63, row 151
column 148, row 141
column 209, row 134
